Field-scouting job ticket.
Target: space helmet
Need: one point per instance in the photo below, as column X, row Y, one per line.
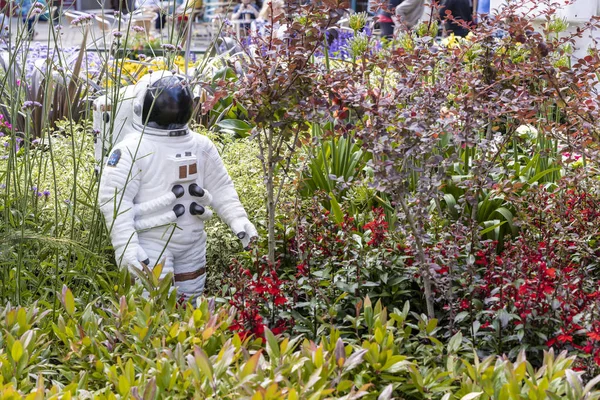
column 163, row 104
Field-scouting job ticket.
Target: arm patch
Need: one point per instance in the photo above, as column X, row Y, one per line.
column 114, row 158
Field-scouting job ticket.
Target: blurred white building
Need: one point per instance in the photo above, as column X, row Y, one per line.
column 576, row 14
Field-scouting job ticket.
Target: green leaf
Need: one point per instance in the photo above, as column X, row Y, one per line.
column 150, row 391
column 451, row 205
column 68, row 300
column 455, row 342
column 491, row 228
column 124, row 385
column 508, row 216
column 157, row 271
column 471, row 396
column 355, row 359
column 575, row 382
column 386, row 394
column 250, row 366
column 203, row 362
column 590, row 385
column 338, row 215
column 236, row 125
column 431, row 325
column 16, row 351
column 272, row 345
column 461, row 316
column 540, row 175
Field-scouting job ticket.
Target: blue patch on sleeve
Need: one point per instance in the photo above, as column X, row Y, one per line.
column 114, row 158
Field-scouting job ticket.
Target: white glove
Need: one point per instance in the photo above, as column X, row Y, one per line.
column 133, row 260
column 244, row 230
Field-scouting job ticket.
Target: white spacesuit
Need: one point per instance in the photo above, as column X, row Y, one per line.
column 158, row 182
column 111, row 124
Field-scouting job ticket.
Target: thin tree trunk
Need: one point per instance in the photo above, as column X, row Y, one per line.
column 424, row 266
column 270, row 196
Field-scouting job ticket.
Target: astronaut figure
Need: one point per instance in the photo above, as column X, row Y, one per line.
column 158, row 183
column 111, row 125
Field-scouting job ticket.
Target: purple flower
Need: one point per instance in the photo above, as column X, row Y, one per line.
column 46, row 193
column 139, row 29
column 57, row 27
column 82, row 20
column 30, row 105
column 39, row 6
column 117, row 34
column 141, row 57
column 168, row 47
column 67, row 202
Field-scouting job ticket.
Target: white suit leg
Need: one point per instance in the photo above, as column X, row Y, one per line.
column 157, row 253
column 190, row 260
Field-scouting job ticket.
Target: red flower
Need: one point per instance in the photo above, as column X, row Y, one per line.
column 548, row 289
column 564, row 338
column 378, row 228
column 594, row 336
column 280, row 300
column 302, row 269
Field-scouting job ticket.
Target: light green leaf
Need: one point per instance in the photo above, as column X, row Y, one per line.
column 124, row 385
column 455, row 342
column 386, row 394
column 235, row 125
column 17, row 350
column 68, row 300
column 471, row 396
column 491, row 228
column 203, row 362
column 272, row 345
column 540, row 175
column 338, row 215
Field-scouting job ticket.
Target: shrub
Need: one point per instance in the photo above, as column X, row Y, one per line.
column 240, row 157
column 154, row 348
column 542, row 290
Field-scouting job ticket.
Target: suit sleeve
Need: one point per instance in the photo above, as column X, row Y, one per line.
column 119, row 185
column 225, row 200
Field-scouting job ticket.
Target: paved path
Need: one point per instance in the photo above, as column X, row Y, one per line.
column 72, row 36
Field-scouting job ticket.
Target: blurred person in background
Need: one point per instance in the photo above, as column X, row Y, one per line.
column 245, row 11
column 32, row 10
column 409, row 12
column 461, row 11
column 384, row 17
column 266, row 21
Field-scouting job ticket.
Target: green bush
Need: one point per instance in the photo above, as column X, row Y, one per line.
column 52, row 231
column 240, row 157
column 133, row 347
